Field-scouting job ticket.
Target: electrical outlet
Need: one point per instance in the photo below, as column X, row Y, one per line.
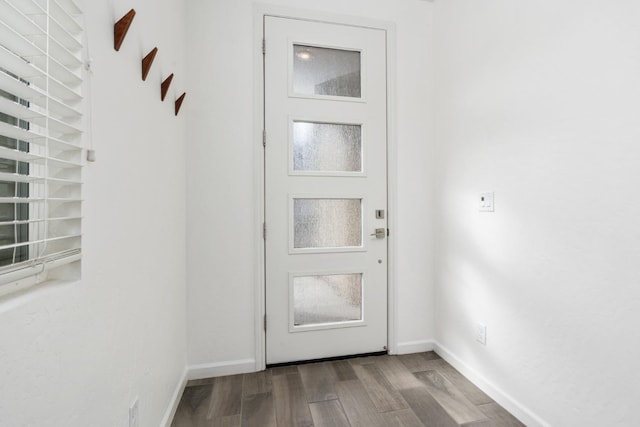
column 481, row 333
column 134, row 414
column 485, row 202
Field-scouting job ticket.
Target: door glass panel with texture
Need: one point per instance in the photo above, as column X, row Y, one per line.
column 327, row 223
column 324, row 71
column 327, row 299
column 326, row 147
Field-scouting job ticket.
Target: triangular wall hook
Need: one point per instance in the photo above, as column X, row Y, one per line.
column 147, row 61
column 164, row 87
column 121, row 27
column 179, row 102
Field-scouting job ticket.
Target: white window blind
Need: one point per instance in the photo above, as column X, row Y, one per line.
column 40, row 138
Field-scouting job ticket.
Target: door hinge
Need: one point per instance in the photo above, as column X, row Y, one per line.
column 388, row 232
column 264, row 231
column 264, row 46
column 265, row 323
column 264, row 138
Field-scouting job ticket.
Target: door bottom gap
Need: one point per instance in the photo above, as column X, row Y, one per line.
column 325, row 359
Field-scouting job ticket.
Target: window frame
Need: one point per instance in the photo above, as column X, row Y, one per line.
column 41, row 79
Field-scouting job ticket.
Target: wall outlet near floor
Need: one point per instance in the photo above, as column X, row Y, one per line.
column 134, row 414
column 485, row 202
column 481, row 333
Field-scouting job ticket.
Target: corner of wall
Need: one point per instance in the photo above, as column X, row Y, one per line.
column 175, row 399
column 217, row 369
column 409, row 347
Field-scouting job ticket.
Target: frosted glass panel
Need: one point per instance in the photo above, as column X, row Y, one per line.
column 327, row 223
column 327, row 147
column 327, row 299
column 323, row 71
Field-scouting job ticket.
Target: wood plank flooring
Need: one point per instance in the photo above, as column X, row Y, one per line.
column 414, row 390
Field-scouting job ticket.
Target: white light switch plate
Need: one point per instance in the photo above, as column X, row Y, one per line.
column 486, row 202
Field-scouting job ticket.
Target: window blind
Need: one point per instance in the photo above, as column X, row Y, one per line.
column 40, row 137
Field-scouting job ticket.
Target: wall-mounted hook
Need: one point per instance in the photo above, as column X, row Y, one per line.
column 179, row 102
column 121, row 27
column 147, row 61
column 164, row 87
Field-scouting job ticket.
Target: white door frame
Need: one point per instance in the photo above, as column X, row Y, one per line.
column 259, row 11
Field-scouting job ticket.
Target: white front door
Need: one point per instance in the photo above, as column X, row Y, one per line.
column 325, row 189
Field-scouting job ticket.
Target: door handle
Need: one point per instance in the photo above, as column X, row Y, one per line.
column 380, row 233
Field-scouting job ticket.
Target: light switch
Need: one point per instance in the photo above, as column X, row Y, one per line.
column 486, row 202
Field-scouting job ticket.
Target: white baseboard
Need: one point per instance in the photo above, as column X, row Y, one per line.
column 507, row 401
column 175, row 400
column 218, row 369
column 415, row 346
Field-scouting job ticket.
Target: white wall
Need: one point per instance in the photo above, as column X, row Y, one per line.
column 539, row 102
column 222, row 190
column 79, row 353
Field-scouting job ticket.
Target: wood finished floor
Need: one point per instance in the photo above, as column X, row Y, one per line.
column 412, row 390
